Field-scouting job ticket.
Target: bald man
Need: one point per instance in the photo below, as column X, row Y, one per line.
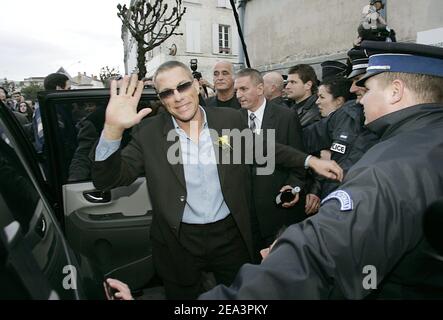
column 224, row 87
column 273, row 86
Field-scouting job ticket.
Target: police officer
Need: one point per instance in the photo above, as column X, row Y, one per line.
column 343, row 132
column 367, row 239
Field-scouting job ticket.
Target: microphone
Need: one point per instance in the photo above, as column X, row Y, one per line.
column 286, row 196
column 433, row 225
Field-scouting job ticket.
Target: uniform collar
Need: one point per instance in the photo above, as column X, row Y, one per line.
column 407, row 119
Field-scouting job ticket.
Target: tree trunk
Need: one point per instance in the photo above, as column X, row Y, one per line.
column 141, row 61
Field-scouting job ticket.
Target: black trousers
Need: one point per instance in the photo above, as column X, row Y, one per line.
column 217, row 252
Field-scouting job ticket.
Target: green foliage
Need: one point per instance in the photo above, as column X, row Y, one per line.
column 30, row 92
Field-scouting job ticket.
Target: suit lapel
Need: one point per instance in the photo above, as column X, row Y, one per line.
column 176, row 168
column 244, row 115
column 214, row 123
column 268, row 121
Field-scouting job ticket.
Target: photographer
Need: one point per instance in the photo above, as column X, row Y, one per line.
column 204, row 84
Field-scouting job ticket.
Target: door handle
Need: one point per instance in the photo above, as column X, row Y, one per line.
column 97, row 196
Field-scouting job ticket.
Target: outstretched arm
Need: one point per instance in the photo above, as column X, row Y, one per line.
column 327, row 168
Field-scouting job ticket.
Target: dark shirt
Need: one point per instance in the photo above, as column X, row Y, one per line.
column 231, row 103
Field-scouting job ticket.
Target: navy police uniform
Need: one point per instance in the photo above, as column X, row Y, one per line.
column 344, row 134
column 367, row 240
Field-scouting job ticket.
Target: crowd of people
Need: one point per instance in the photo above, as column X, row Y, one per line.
column 23, row 109
column 218, row 231
column 369, row 117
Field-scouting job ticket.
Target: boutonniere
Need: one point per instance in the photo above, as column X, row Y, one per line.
column 223, row 142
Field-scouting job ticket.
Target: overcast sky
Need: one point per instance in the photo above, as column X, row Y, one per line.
column 39, row 36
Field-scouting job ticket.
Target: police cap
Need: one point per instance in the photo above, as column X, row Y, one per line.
column 359, row 59
column 403, row 57
column 333, row 69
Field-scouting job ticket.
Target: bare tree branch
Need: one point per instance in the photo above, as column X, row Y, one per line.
column 150, row 25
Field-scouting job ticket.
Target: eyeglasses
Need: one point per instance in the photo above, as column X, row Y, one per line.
column 180, row 88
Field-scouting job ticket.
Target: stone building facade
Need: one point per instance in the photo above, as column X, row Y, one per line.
column 209, row 35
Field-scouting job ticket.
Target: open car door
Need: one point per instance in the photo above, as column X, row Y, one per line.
column 111, row 229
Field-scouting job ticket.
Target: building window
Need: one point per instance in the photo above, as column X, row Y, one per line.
column 223, row 39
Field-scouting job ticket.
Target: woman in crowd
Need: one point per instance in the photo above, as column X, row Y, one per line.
column 26, row 109
column 332, row 94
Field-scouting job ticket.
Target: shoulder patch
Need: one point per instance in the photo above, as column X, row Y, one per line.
column 346, row 203
column 337, row 147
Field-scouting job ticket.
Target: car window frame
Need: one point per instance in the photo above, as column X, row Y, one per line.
column 47, row 99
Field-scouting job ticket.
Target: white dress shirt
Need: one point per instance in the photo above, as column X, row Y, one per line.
column 259, row 117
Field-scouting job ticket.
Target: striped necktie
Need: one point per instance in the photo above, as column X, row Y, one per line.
column 252, row 124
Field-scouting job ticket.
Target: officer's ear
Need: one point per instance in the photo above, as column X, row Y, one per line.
column 397, row 91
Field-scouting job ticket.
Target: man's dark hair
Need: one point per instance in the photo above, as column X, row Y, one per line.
column 254, row 74
column 55, row 79
column 305, row 73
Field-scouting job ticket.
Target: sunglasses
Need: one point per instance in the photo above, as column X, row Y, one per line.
column 180, row 88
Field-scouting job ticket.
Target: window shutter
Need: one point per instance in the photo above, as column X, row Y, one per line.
column 215, row 46
column 193, row 36
column 235, row 40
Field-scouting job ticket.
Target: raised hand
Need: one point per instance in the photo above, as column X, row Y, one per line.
column 121, row 112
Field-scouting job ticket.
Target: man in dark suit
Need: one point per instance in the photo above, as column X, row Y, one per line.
column 262, row 116
column 201, row 217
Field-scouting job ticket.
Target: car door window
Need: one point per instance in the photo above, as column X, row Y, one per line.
column 79, row 125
